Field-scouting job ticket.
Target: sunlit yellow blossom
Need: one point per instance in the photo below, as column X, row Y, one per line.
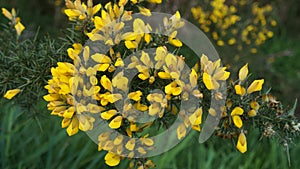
column 196, row 118
column 140, row 30
column 73, row 126
column 255, row 86
column 213, row 73
column 254, row 105
column 81, row 11
column 112, row 159
column 107, row 115
column 240, row 90
column 173, row 41
column 116, row 122
column 136, row 96
column 242, row 143
column 158, row 104
column 252, row 113
column 16, row 21
column 11, row 93
column 144, row 11
column 7, row 14
column 130, row 144
column 173, row 89
column 243, row 73
column 235, row 114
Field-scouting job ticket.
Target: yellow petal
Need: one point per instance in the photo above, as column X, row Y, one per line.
column 237, row 121
column 175, row 42
column 243, row 73
column 252, row 113
column 72, row 12
column 193, row 78
column 141, row 150
column 147, row 38
column 237, row 111
column 116, row 122
column 176, row 91
column 240, row 90
column 73, row 127
column 7, row 14
column 12, row 93
column 154, row 109
column 131, row 44
column 196, row 127
column 140, row 106
column 112, row 159
column 134, row 127
column 118, row 140
column 123, row 2
column 130, row 144
column 147, row 141
column 107, row 115
column 93, row 80
column 221, row 74
column 50, row 97
column 144, row 76
column 207, row 79
column 119, row 62
column 254, row 105
column 136, row 96
column 106, row 83
column 196, row 117
column 69, row 113
column 96, row 8
column 84, row 123
column 255, row 86
column 100, row 58
column 242, row 143
column 164, row 75
column 19, row 28
column 145, row 11
column 65, row 122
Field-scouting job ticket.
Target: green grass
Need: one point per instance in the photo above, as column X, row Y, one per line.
column 37, row 141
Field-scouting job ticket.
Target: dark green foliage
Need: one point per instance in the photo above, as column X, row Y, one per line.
column 26, row 64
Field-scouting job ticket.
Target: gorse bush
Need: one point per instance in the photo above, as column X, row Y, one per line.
column 26, row 63
column 243, row 25
column 123, row 81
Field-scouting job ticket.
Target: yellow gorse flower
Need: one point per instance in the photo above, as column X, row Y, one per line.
column 140, row 30
column 121, row 100
column 112, row 159
column 235, row 114
column 81, row 11
column 11, row 93
column 16, row 21
column 243, row 73
column 255, row 86
column 221, row 20
column 212, row 73
column 242, row 143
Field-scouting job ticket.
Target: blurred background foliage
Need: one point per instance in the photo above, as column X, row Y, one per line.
column 34, row 139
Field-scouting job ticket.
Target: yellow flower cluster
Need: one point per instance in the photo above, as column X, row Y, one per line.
column 74, row 83
column 226, row 21
column 237, row 105
column 15, row 21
